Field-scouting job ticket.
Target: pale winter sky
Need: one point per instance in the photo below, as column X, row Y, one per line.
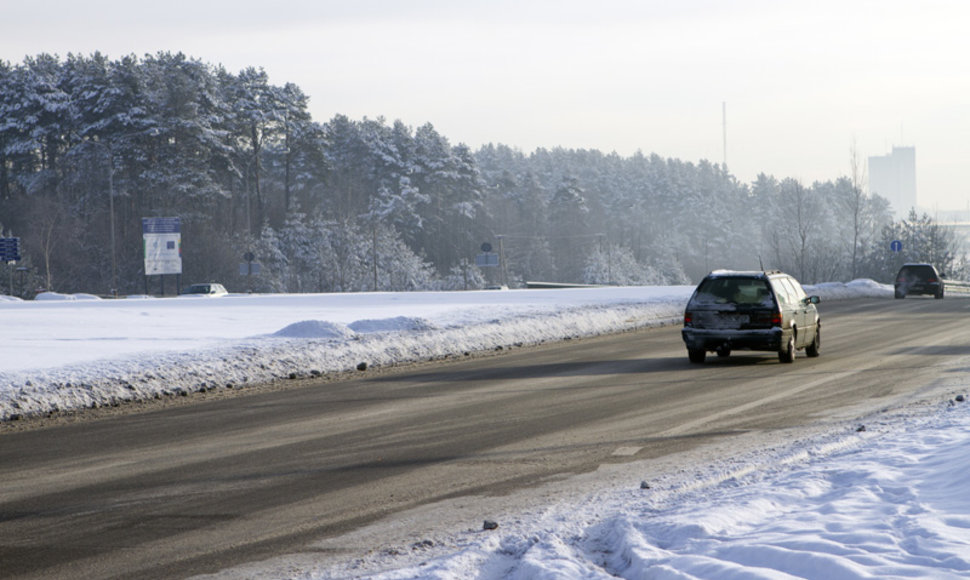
column 803, row 82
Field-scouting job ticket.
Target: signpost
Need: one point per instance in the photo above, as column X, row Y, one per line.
column 163, row 247
column 487, row 259
column 896, row 246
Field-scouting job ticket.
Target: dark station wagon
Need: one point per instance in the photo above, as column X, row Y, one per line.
column 759, row 311
column 918, row 279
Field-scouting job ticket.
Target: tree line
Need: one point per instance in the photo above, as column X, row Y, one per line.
column 90, row 145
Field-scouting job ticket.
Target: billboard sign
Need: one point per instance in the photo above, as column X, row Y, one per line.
column 163, row 245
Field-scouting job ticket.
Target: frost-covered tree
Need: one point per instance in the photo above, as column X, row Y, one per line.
column 399, row 268
column 617, row 265
column 568, row 227
column 463, row 276
column 467, row 216
column 274, row 264
column 434, row 172
column 399, row 206
column 258, row 115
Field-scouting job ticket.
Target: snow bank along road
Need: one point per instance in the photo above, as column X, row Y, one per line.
column 201, row 488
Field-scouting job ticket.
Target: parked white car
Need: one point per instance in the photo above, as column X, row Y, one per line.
column 210, row 289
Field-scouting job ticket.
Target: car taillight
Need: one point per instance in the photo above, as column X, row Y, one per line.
column 688, row 318
column 776, row 318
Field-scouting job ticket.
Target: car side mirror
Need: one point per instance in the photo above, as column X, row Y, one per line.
column 811, row 300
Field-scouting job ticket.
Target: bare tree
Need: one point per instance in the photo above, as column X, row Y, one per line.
column 795, row 195
column 856, row 204
column 47, row 219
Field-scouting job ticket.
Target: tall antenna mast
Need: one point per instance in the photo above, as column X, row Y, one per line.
column 724, row 127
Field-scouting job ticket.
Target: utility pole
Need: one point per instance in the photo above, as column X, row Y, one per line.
column 501, row 260
column 111, row 214
column 374, row 248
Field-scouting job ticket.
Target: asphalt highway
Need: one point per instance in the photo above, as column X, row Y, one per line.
column 197, row 488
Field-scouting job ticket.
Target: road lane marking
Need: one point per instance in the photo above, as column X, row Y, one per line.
column 626, row 451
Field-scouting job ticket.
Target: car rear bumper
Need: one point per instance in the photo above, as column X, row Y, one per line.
column 713, row 339
column 921, row 289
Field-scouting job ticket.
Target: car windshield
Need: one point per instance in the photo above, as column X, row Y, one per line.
column 738, row 291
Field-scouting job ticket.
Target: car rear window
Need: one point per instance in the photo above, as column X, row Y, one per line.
column 923, row 272
column 741, row 291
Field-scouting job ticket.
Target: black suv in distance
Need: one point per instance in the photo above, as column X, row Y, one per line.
column 918, row 279
column 766, row 311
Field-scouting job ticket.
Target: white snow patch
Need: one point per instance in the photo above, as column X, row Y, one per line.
column 314, row 329
column 55, row 296
column 398, row 323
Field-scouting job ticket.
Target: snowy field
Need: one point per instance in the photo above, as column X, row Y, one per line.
column 63, row 352
column 886, row 502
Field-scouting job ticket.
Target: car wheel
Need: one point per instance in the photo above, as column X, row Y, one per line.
column 787, row 352
column 696, row 355
column 899, row 294
column 939, row 295
column 812, row 350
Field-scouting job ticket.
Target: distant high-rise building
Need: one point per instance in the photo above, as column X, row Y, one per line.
column 893, row 177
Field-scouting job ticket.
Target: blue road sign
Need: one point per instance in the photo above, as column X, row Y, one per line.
column 161, row 225
column 10, row 250
column 896, row 246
